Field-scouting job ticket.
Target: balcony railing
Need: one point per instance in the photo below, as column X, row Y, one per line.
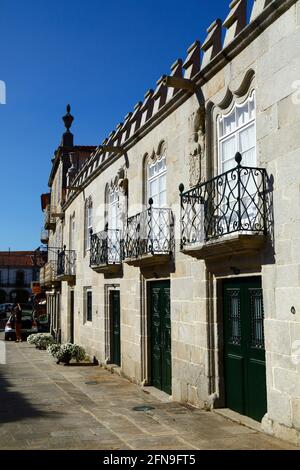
column 233, row 202
column 105, row 253
column 66, row 265
column 50, row 220
column 48, row 273
column 149, row 233
column 44, row 236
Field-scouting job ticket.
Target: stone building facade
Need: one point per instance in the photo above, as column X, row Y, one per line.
column 184, row 224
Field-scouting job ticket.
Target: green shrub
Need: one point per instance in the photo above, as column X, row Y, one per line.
column 67, row 351
column 40, row 340
column 53, row 349
column 31, row 339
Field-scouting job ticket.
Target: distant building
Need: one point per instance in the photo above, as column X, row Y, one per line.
column 17, row 270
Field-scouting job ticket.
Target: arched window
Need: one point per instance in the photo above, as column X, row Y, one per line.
column 157, row 178
column 88, row 224
column 236, row 133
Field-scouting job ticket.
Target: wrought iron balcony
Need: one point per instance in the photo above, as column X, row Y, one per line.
column 105, row 253
column 66, row 265
column 223, row 215
column 44, row 236
column 149, row 237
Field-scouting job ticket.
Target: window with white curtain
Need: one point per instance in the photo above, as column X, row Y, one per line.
column 113, row 218
column 157, row 177
column 157, row 190
column 88, row 223
column 113, row 224
column 237, row 134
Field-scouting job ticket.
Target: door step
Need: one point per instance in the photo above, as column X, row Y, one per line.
column 159, row 394
column 238, row 418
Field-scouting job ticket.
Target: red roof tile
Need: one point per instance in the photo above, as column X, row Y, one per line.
column 17, row 258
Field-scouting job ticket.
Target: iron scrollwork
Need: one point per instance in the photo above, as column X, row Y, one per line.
column 235, row 201
column 149, row 232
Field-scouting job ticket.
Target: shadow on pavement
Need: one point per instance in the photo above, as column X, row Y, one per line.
column 14, row 407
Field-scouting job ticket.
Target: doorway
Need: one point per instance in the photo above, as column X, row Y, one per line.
column 72, row 323
column 244, row 347
column 114, row 303
column 160, row 334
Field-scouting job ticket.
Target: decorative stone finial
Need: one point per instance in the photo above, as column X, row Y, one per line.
column 67, row 139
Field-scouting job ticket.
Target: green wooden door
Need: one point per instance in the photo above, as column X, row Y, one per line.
column 72, row 326
column 161, row 359
column 244, row 347
column 116, row 327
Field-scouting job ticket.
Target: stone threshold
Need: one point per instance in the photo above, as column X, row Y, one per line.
column 159, row 394
column 113, row 368
column 149, row 389
column 238, row 418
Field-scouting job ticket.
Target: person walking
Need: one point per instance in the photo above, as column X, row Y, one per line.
column 18, row 320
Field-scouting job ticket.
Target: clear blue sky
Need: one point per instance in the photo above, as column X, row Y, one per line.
column 101, row 57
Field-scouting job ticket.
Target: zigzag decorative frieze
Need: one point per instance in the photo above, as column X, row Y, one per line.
column 213, row 42
column 258, row 8
column 154, row 101
column 176, row 71
column 192, row 62
column 236, row 20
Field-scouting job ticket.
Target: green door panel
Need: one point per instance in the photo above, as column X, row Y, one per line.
column 166, row 342
column 244, row 351
column 257, row 391
column 161, row 359
column 116, row 327
column 235, row 383
column 156, row 344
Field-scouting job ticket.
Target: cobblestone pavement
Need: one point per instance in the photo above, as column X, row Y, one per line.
column 48, row 406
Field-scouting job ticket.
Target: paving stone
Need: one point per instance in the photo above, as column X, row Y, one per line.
column 45, row 406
